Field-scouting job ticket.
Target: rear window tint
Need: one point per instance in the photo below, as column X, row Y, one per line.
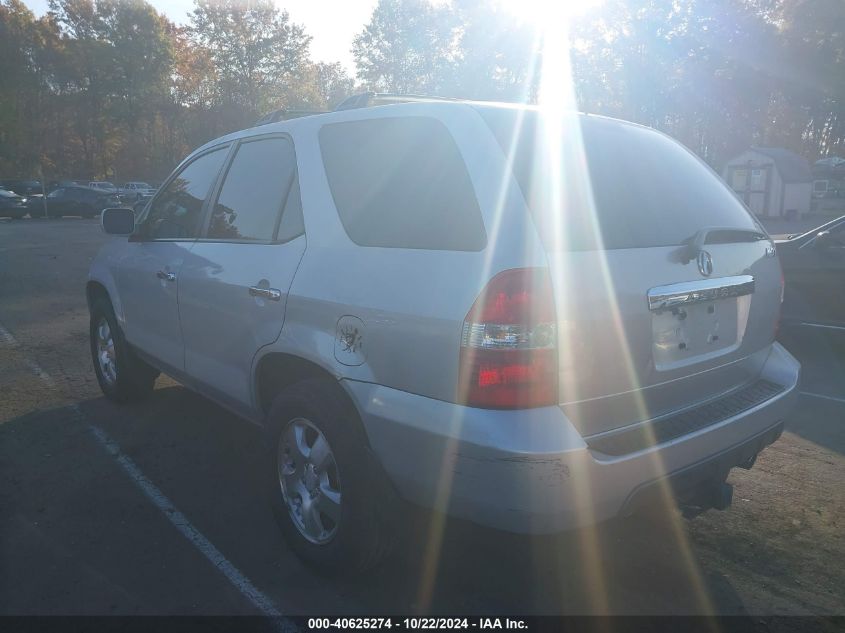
column 401, row 183
column 611, row 185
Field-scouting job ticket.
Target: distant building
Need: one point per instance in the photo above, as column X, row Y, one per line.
column 772, row 181
column 829, row 177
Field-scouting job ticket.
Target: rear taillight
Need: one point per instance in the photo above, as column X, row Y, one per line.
column 509, row 343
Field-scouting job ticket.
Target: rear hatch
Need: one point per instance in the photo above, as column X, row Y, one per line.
column 667, row 290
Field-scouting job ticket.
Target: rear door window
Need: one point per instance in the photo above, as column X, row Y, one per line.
column 254, row 191
column 610, row 185
column 401, row 183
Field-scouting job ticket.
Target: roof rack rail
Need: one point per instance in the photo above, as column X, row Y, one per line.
column 283, row 115
column 368, row 99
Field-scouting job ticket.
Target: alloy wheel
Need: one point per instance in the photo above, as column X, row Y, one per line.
column 309, row 481
column 106, row 356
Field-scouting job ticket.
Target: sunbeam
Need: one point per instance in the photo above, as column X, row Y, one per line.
column 562, row 179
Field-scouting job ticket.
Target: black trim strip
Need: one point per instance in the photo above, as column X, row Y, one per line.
column 686, row 422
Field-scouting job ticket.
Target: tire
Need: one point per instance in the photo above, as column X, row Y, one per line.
column 123, row 377
column 362, row 536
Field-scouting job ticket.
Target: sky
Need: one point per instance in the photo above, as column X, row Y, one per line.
column 332, row 24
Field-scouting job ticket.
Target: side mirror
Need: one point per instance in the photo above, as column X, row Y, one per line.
column 118, row 221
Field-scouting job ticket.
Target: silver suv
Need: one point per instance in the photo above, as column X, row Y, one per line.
column 532, row 322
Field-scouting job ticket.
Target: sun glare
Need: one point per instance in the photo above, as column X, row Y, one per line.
column 548, row 14
column 562, row 174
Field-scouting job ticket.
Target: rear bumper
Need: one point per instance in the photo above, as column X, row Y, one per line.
column 687, row 485
column 531, row 472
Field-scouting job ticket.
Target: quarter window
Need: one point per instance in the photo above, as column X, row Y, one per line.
column 254, row 191
column 177, row 212
column 401, row 183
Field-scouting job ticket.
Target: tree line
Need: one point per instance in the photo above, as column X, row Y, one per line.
column 114, row 89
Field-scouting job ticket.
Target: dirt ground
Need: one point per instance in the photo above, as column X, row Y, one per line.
column 78, row 536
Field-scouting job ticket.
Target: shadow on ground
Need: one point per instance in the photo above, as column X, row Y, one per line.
column 822, row 356
column 100, row 547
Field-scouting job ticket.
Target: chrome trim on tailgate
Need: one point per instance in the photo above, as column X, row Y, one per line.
column 663, row 297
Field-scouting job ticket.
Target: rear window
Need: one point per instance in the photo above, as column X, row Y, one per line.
column 611, row 185
column 401, row 183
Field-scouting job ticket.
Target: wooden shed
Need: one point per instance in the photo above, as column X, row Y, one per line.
column 772, row 181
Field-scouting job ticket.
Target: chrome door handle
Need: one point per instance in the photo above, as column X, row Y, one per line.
column 166, row 276
column 266, row 293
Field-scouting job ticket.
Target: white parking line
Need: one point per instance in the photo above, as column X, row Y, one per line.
column 35, row 368
column 179, row 520
column 823, row 326
column 822, row 396
column 181, row 523
column 6, row 337
column 10, row 341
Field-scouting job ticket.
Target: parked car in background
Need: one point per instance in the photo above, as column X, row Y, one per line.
column 35, row 204
column 55, row 184
column 103, row 185
column 12, row 205
column 75, row 200
column 814, row 271
column 134, row 191
column 22, row 187
column 593, row 353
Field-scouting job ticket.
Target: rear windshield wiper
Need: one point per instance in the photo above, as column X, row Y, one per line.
column 694, row 244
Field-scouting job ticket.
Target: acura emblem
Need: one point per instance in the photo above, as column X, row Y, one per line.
column 705, row 263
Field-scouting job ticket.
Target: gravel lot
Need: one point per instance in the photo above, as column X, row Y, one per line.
column 78, row 536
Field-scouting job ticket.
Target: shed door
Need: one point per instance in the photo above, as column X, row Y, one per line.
column 752, row 185
column 757, row 202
